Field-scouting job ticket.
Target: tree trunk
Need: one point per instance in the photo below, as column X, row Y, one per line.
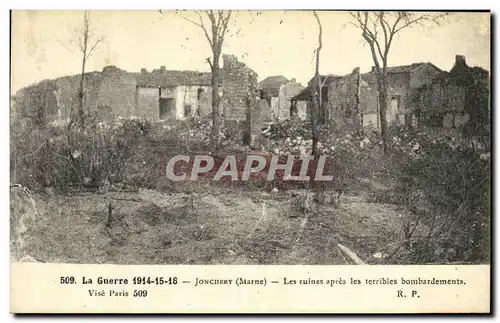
column 316, row 114
column 358, row 117
column 317, row 119
column 81, row 114
column 315, row 127
column 382, row 99
column 216, row 118
column 80, row 94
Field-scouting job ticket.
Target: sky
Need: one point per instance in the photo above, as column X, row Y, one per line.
column 270, row 42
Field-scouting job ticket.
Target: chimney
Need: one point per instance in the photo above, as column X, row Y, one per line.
column 294, row 80
column 460, row 64
column 460, row 59
column 162, row 68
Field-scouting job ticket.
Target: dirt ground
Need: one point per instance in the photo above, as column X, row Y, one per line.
column 153, row 227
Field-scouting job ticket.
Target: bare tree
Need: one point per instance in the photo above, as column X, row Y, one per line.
column 218, row 21
column 378, row 29
column 317, row 113
column 85, row 41
column 86, row 44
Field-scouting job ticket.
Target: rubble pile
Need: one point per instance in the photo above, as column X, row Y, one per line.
column 295, row 138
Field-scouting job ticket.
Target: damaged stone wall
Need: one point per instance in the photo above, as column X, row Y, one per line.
column 368, row 101
column 342, row 100
column 397, row 97
column 424, row 74
column 239, row 83
column 114, row 93
column 111, row 93
column 342, row 96
column 286, row 93
column 266, row 113
column 117, row 91
column 38, row 102
column 67, row 93
column 194, row 100
column 455, row 99
column 147, row 102
column 256, row 115
column 240, row 105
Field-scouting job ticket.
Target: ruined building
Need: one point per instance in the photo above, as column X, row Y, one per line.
column 459, row 98
column 419, row 94
column 353, row 99
column 160, row 94
column 278, row 91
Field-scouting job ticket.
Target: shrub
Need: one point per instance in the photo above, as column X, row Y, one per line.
column 454, row 181
column 75, row 158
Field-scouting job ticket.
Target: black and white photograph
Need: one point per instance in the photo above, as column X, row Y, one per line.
column 244, row 137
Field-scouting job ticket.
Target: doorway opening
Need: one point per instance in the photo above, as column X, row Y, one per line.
column 167, row 108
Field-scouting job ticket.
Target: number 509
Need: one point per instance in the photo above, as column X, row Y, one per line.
column 68, row 280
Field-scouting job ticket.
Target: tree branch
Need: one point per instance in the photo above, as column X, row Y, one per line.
column 201, row 25
column 209, row 62
column 223, row 29
column 382, row 22
column 392, row 32
column 215, row 33
column 65, row 47
column 368, row 27
column 324, row 81
column 220, row 16
column 419, row 20
column 369, row 36
column 97, row 42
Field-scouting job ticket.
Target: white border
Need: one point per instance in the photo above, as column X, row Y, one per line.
column 185, row 4
column 256, row 4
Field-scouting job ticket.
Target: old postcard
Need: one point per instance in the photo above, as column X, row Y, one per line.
column 250, row 161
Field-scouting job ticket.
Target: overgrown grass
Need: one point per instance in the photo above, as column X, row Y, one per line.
column 441, row 179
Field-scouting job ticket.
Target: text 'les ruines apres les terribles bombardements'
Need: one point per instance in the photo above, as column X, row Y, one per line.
column 200, row 281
